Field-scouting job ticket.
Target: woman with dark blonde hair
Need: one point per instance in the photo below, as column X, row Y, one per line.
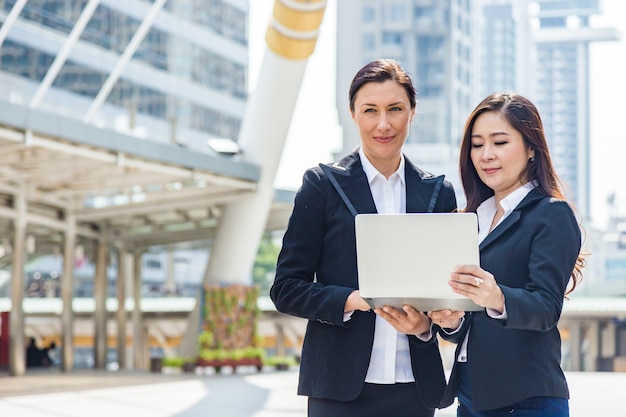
column 508, row 355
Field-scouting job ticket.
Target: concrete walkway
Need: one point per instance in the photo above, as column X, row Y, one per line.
column 270, row 393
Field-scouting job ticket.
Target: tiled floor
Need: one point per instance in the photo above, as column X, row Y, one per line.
column 47, row 393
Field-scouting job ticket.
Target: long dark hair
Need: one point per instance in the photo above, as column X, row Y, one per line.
column 524, row 117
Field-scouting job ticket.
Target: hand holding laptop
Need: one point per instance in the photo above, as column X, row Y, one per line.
column 405, row 320
column 407, row 258
column 478, row 285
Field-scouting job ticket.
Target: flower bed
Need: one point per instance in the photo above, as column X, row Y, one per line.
column 218, row 364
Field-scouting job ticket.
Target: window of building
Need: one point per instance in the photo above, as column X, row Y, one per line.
column 153, row 264
column 397, row 13
column 369, row 41
column 393, row 38
column 368, row 14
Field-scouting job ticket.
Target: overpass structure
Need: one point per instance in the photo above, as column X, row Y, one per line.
column 80, row 190
column 74, row 184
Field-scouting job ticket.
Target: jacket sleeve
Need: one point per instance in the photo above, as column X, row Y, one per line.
column 295, row 290
column 554, row 247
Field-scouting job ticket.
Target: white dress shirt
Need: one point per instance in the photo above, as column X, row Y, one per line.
column 391, row 360
column 486, row 212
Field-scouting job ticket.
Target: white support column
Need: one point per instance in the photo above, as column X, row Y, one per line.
column 67, row 295
column 128, row 53
column 10, row 20
column 170, row 283
column 121, row 316
column 61, row 57
column 17, row 357
column 136, row 317
column 291, row 38
column 575, row 345
column 100, row 313
column 592, row 352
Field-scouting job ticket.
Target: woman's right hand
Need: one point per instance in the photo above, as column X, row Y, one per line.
column 356, row 302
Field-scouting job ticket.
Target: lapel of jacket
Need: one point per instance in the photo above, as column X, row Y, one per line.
column 352, row 179
column 511, row 219
column 419, row 187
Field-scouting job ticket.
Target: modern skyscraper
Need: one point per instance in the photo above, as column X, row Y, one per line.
column 506, row 47
column 562, row 89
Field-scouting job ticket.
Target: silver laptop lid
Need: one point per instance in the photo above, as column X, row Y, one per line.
column 408, row 258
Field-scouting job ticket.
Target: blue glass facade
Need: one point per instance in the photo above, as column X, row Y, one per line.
column 200, row 45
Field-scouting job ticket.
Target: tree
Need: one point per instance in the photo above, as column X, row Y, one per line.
column 265, row 263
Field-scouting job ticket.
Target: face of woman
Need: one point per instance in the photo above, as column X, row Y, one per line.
column 499, row 153
column 383, row 115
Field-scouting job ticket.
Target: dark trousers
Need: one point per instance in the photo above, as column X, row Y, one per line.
column 375, row 400
column 530, row 407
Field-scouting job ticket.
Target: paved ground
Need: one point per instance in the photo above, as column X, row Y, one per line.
column 270, row 393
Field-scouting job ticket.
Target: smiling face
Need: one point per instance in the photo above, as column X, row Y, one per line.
column 498, row 153
column 383, row 115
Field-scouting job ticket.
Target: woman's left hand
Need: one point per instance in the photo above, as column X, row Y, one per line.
column 406, row 320
column 478, row 285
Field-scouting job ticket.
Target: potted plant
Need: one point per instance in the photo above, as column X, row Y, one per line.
column 228, row 336
column 280, row 363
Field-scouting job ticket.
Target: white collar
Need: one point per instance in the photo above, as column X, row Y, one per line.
column 508, row 203
column 371, row 172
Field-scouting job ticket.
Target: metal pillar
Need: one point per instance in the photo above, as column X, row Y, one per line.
column 67, row 295
column 17, row 355
column 121, row 316
column 592, row 353
column 100, row 313
column 575, row 345
column 139, row 361
column 280, row 339
column 124, row 59
column 170, row 283
column 10, row 19
column 62, row 55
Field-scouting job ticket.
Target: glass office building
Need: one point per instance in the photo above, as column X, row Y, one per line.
column 165, row 70
column 562, row 90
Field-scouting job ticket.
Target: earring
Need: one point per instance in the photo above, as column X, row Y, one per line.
column 532, row 159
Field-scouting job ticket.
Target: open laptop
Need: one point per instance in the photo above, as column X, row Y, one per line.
column 408, row 258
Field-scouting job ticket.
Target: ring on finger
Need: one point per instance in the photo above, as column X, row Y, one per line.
column 478, row 281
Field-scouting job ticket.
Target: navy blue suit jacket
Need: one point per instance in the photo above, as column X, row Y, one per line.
column 531, row 254
column 317, row 271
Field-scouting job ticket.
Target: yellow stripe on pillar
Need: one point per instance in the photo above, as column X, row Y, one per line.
column 289, row 47
column 294, row 27
column 296, row 19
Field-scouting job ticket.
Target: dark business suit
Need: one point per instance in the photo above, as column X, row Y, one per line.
column 317, row 271
column 531, row 254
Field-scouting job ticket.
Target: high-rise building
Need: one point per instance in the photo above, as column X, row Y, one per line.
column 433, row 42
column 506, row 47
column 165, row 70
column 562, row 89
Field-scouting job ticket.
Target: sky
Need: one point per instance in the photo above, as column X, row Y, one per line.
column 314, row 132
